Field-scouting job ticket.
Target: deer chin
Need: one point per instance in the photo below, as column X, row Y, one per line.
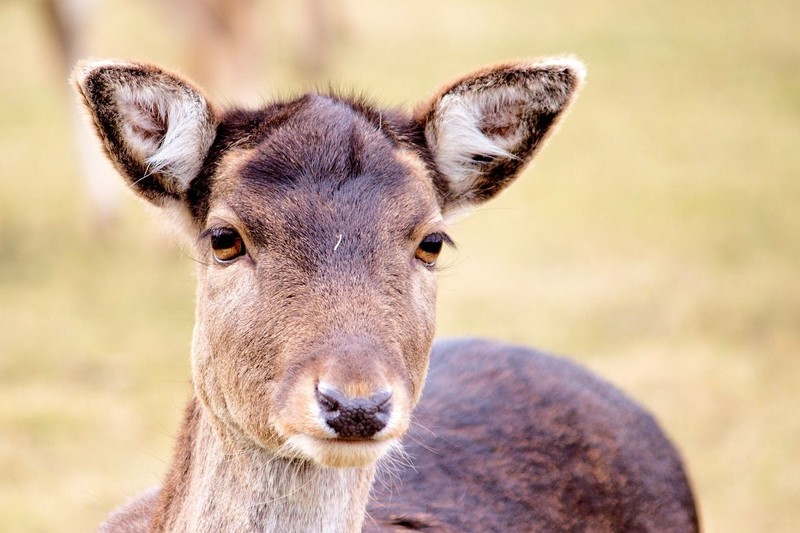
column 337, row 453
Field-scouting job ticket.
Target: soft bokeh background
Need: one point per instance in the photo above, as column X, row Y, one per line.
column 656, row 239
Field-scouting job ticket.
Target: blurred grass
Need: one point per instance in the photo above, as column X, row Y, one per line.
column 657, row 240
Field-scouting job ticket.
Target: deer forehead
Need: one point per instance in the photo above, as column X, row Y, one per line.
column 325, row 173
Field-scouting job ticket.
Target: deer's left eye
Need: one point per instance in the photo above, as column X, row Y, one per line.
column 430, row 247
column 227, row 244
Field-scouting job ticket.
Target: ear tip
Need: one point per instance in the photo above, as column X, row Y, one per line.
column 576, row 67
column 85, row 68
column 80, row 72
column 569, row 63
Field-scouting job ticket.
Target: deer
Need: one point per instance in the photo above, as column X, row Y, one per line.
column 320, row 402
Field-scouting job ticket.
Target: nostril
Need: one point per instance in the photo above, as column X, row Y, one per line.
column 328, row 400
column 382, row 401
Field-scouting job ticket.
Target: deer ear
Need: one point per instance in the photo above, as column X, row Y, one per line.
column 156, row 127
column 484, row 128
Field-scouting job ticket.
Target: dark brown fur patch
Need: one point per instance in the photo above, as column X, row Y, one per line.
column 531, row 443
column 238, row 129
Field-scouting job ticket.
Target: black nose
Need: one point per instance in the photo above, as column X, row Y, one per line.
column 354, row 418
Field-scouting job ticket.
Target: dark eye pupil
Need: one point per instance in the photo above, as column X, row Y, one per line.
column 431, row 244
column 429, row 248
column 224, row 238
column 227, row 244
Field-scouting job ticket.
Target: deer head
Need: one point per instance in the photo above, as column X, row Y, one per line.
column 316, row 224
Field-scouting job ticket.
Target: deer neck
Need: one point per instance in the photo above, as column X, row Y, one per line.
column 210, row 489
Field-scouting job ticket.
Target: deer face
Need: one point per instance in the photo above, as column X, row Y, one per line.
column 313, row 295
column 316, row 224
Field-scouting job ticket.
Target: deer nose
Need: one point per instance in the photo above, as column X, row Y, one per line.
column 354, row 418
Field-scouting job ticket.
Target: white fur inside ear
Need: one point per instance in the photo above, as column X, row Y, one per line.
column 457, row 139
column 170, row 128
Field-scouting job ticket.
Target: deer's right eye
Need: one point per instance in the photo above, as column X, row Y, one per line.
column 430, row 247
column 227, row 244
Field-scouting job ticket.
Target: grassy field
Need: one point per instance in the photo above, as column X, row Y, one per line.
column 656, row 240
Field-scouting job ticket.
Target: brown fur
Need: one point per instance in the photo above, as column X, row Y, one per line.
column 332, row 200
column 529, row 443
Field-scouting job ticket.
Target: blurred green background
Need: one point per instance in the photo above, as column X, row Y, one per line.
column 656, row 239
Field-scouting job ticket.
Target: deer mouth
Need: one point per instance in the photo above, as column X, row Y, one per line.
column 341, row 453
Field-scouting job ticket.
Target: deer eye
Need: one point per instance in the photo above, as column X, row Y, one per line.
column 430, row 247
column 227, row 244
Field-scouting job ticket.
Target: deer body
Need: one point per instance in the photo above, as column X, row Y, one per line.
column 508, row 439
column 317, row 224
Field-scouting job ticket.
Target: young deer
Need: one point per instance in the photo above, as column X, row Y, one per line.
column 317, row 224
